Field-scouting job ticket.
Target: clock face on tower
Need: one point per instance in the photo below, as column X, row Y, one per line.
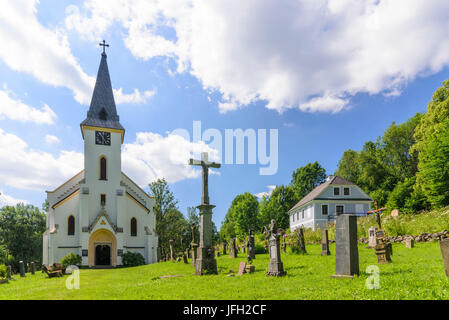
column 103, row 138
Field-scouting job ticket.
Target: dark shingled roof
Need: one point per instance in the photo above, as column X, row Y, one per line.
column 102, row 111
column 315, row 192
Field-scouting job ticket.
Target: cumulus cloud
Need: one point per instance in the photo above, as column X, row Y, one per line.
column 51, row 139
column 7, row 200
column 29, row 47
column 268, row 193
column 15, row 109
column 154, row 156
column 311, row 55
column 24, row 168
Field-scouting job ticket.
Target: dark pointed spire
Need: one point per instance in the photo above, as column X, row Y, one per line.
column 102, row 111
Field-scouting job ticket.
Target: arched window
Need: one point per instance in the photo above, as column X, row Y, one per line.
column 103, row 168
column 71, row 226
column 133, row 227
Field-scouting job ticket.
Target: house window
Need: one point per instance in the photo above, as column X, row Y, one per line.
column 346, row 191
column 71, row 226
column 302, row 214
column 336, row 191
column 103, row 168
column 324, row 209
column 103, row 199
column 340, row 210
column 293, row 216
column 133, row 227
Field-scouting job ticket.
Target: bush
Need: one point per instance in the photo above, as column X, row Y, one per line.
column 71, row 260
column 2, row 271
column 259, row 249
column 132, row 259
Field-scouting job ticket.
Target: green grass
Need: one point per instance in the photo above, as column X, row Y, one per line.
column 416, row 273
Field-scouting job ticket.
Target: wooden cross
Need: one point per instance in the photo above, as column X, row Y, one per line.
column 104, row 45
column 205, row 164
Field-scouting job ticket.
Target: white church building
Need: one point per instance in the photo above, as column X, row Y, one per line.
column 100, row 213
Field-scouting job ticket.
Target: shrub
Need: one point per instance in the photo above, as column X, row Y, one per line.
column 2, row 271
column 259, row 249
column 71, row 260
column 132, row 259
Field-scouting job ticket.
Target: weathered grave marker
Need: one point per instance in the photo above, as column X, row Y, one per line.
column 251, row 246
column 300, row 240
column 325, row 243
column 232, row 248
column 22, row 268
column 172, row 257
column 224, row 248
column 409, row 243
column 275, row 267
column 242, row 267
column 444, row 246
column 372, row 242
column 346, row 250
column 8, row 272
column 383, row 248
column 33, row 269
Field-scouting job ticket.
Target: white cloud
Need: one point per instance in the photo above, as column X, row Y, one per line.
column 14, row 109
column 311, row 55
column 154, row 156
column 24, row 168
column 29, row 47
column 135, row 97
column 268, row 193
column 51, row 139
column 7, row 200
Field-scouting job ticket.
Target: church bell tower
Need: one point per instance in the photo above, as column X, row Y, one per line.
column 103, row 136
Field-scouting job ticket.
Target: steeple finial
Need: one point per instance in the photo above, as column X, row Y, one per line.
column 104, row 45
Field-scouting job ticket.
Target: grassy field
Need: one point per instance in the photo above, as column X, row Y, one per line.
column 416, row 273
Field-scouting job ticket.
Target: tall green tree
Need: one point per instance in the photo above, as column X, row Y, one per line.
column 170, row 223
column 276, row 207
column 307, row 178
column 432, row 143
column 21, row 230
column 349, row 166
column 241, row 216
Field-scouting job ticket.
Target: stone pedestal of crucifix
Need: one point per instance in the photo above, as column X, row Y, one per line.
column 205, row 262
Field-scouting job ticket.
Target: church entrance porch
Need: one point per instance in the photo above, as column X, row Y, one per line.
column 102, row 255
column 102, row 249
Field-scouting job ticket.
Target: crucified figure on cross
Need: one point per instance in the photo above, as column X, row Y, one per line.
column 205, row 164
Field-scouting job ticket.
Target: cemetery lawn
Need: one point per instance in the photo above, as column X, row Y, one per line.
column 416, row 273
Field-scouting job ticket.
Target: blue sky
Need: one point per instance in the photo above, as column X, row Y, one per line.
column 328, row 76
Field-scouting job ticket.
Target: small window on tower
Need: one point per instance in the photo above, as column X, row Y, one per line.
column 103, row 114
column 103, row 199
column 103, row 168
column 71, row 226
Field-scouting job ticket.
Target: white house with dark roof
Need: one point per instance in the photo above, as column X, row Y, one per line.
column 331, row 198
column 100, row 213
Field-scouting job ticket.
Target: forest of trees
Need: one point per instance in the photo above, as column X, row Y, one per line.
column 406, row 168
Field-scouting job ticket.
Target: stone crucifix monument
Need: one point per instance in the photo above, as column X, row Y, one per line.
column 205, row 263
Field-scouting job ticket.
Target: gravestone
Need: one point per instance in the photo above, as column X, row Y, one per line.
column 383, row 249
column 8, row 272
column 372, row 242
column 224, row 248
column 346, row 250
column 300, row 241
column 184, row 257
column 232, row 248
column 444, row 246
column 172, row 257
column 205, row 262
column 33, row 269
column 158, row 254
column 242, row 268
column 395, row 214
column 194, row 245
column 22, row 268
column 251, row 247
column 275, row 266
column 409, row 243
column 325, row 243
